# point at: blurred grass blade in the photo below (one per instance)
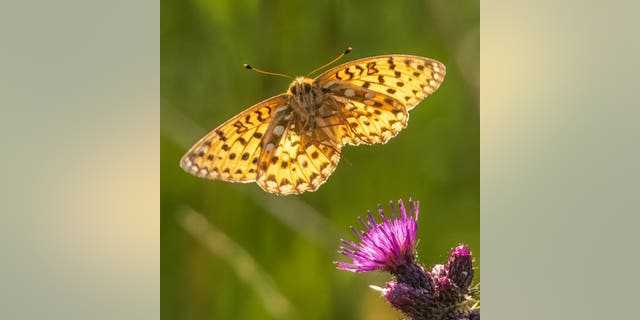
(299, 216)
(245, 267)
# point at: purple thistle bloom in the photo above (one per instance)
(383, 246)
(443, 293)
(460, 267)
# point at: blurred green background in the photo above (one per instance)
(232, 251)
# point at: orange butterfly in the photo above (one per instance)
(291, 143)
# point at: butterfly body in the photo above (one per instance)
(305, 101)
(291, 143)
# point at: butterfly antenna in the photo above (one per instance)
(267, 72)
(331, 62)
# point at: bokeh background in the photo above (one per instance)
(232, 251)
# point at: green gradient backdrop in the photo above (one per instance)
(435, 160)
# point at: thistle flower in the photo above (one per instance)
(460, 267)
(383, 246)
(442, 294)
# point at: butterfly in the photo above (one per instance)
(291, 143)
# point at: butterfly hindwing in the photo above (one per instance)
(298, 163)
(365, 116)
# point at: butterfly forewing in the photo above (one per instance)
(406, 78)
(231, 151)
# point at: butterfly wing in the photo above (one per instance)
(230, 152)
(298, 163)
(372, 95)
(365, 116)
(405, 78)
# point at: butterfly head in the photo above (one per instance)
(300, 86)
(305, 93)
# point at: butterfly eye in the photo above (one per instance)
(307, 87)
